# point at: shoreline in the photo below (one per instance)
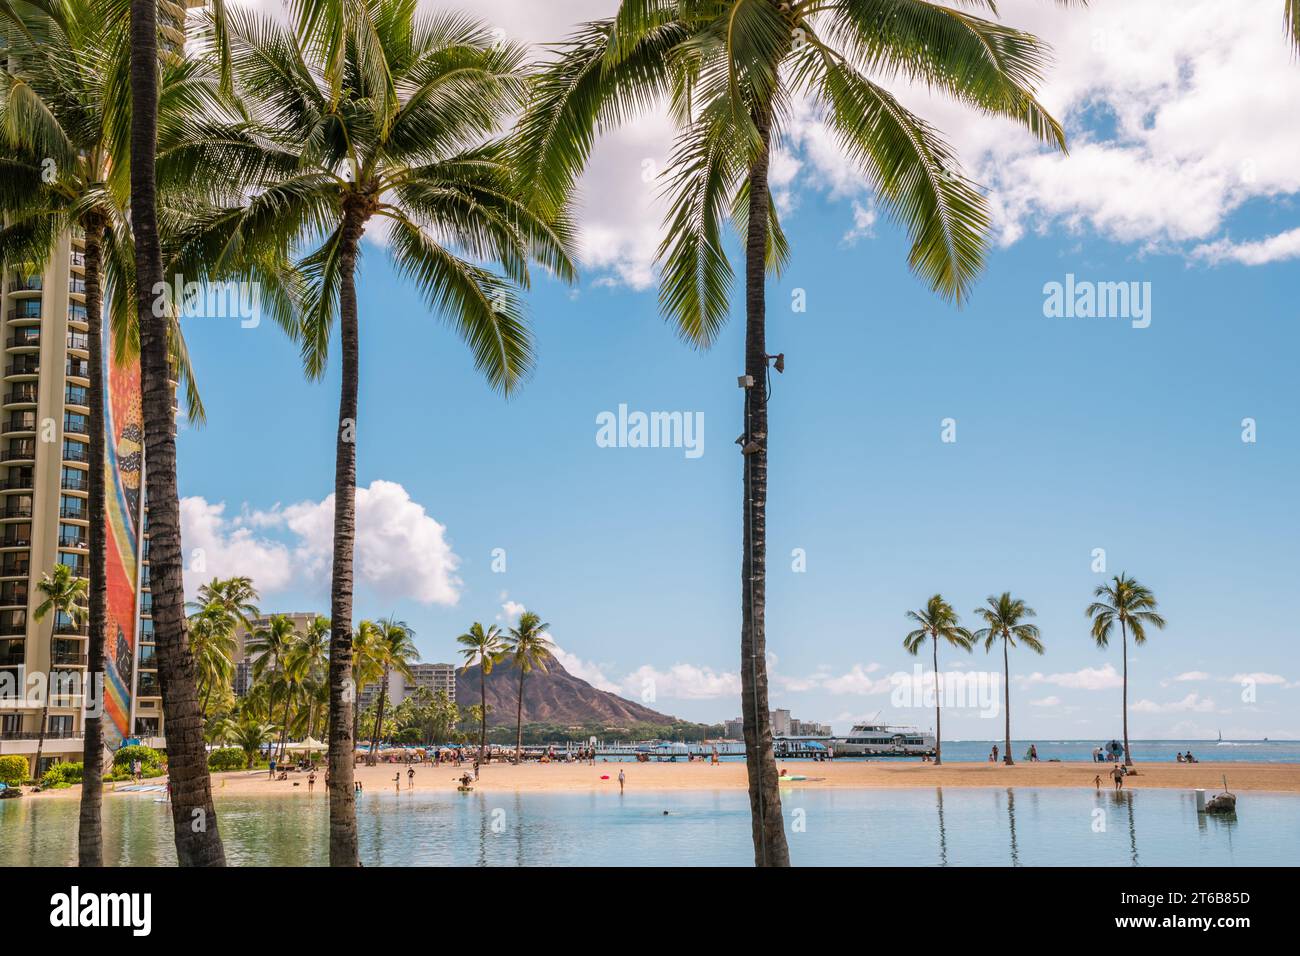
(864, 775)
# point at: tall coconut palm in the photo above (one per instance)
(212, 642)
(236, 596)
(484, 648)
(367, 668)
(65, 596)
(194, 817)
(272, 648)
(395, 651)
(310, 661)
(1133, 607)
(377, 114)
(936, 620)
(528, 646)
(730, 71)
(64, 123)
(1004, 618)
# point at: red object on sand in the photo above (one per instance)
(604, 776)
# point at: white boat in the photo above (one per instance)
(883, 740)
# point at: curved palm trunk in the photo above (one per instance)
(768, 828)
(194, 818)
(1128, 754)
(519, 721)
(379, 717)
(938, 706)
(90, 836)
(284, 730)
(1006, 700)
(343, 808)
(45, 717)
(482, 737)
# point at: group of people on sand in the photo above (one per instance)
(1187, 758)
(1117, 775)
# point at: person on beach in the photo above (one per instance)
(356, 787)
(1033, 753)
(476, 767)
(1118, 775)
(1097, 782)
(410, 778)
(271, 765)
(621, 780)
(311, 782)
(995, 753)
(1096, 755)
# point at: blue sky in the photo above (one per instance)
(1071, 433)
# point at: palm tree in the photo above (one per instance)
(309, 660)
(60, 105)
(937, 620)
(65, 595)
(1004, 617)
(484, 648)
(1293, 22)
(246, 732)
(528, 646)
(366, 665)
(373, 111)
(729, 70)
(1134, 607)
(212, 642)
(395, 651)
(272, 647)
(191, 784)
(235, 596)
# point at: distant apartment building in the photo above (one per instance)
(433, 677)
(783, 725)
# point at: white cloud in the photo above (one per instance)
(1185, 677)
(1277, 248)
(681, 682)
(1194, 703)
(400, 550)
(1087, 678)
(1046, 702)
(1258, 678)
(858, 680)
(585, 670)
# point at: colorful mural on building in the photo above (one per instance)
(124, 454)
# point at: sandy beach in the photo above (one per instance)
(582, 778)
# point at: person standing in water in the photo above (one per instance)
(622, 779)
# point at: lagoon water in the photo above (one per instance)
(930, 827)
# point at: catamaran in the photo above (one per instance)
(883, 740)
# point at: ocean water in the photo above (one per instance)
(923, 827)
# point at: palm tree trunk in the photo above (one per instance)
(768, 828)
(482, 739)
(90, 835)
(1128, 754)
(938, 705)
(194, 818)
(284, 731)
(1006, 697)
(519, 722)
(45, 716)
(343, 808)
(379, 717)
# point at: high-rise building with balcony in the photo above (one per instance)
(44, 518)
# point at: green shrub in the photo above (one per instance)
(150, 759)
(62, 775)
(227, 758)
(13, 770)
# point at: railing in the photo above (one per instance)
(21, 424)
(71, 541)
(14, 569)
(14, 627)
(81, 630)
(36, 735)
(69, 660)
(20, 395)
(27, 284)
(17, 541)
(77, 286)
(76, 368)
(18, 511)
(23, 368)
(74, 426)
(80, 457)
(78, 259)
(26, 311)
(77, 340)
(72, 484)
(75, 396)
(80, 569)
(77, 514)
(13, 598)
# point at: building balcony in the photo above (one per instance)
(77, 368)
(67, 628)
(21, 396)
(79, 457)
(76, 396)
(15, 569)
(79, 541)
(16, 511)
(24, 341)
(72, 426)
(17, 423)
(27, 310)
(81, 482)
(26, 284)
(24, 368)
(11, 596)
(17, 540)
(76, 514)
(77, 340)
(77, 260)
(77, 285)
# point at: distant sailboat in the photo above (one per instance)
(1220, 736)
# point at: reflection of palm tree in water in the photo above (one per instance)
(943, 838)
(484, 827)
(1125, 797)
(1011, 818)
